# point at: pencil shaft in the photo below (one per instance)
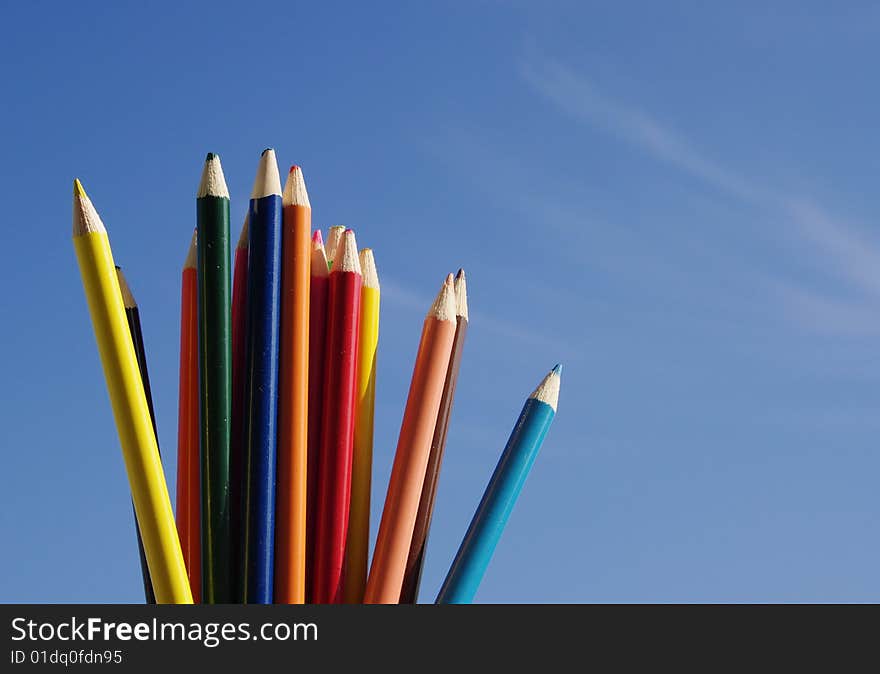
(410, 461)
(215, 395)
(132, 315)
(317, 350)
(237, 468)
(416, 559)
(290, 527)
(357, 545)
(264, 283)
(188, 478)
(337, 435)
(141, 453)
(494, 510)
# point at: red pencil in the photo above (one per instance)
(317, 349)
(337, 435)
(236, 442)
(189, 510)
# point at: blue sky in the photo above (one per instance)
(677, 203)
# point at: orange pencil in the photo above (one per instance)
(413, 448)
(188, 514)
(290, 510)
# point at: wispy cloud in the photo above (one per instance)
(828, 314)
(576, 96)
(842, 250)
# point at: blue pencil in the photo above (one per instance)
(498, 500)
(261, 395)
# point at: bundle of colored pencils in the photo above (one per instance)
(278, 344)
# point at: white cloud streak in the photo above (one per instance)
(844, 251)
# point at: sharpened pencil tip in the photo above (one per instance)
(85, 218)
(548, 390)
(267, 182)
(213, 182)
(461, 302)
(443, 308)
(347, 255)
(557, 369)
(317, 238)
(295, 193)
(334, 235)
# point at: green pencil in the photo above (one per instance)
(215, 380)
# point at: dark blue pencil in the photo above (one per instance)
(261, 395)
(500, 496)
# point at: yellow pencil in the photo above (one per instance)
(139, 448)
(356, 550)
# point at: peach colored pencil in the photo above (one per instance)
(413, 448)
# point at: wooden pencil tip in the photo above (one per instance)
(548, 389)
(243, 237)
(334, 234)
(317, 238)
(127, 297)
(191, 260)
(318, 261)
(295, 193)
(267, 182)
(347, 255)
(461, 303)
(85, 218)
(443, 308)
(368, 268)
(213, 182)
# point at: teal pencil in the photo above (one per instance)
(507, 481)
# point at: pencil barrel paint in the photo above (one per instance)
(264, 284)
(290, 525)
(215, 394)
(132, 315)
(317, 354)
(357, 546)
(188, 477)
(337, 435)
(415, 561)
(393, 540)
(141, 454)
(493, 512)
(237, 440)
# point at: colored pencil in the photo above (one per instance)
(319, 273)
(237, 443)
(357, 546)
(189, 506)
(132, 316)
(261, 400)
(293, 403)
(334, 236)
(413, 447)
(500, 496)
(129, 403)
(416, 559)
(337, 434)
(215, 379)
